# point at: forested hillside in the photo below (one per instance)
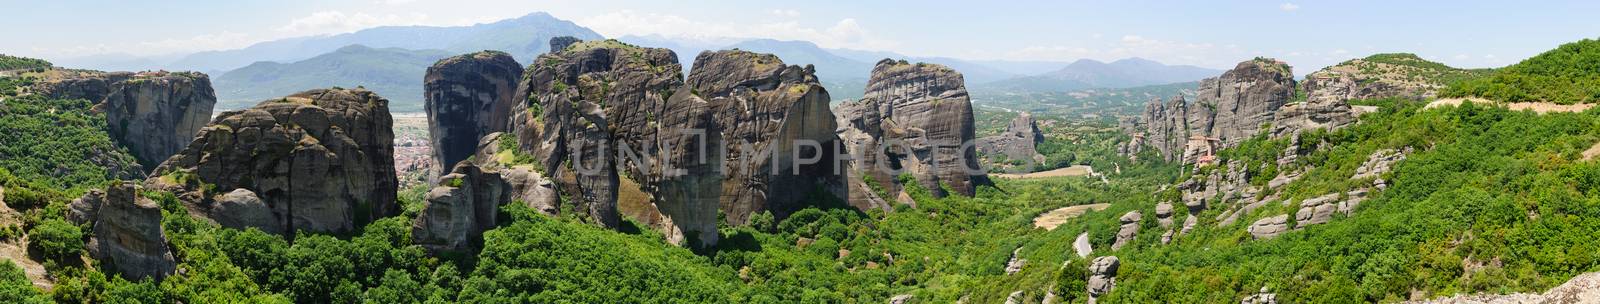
(1568, 74)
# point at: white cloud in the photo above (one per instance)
(786, 12)
(335, 22)
(846, 33)
(1289, 7)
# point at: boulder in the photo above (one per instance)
(152, 114)
(1016, 297)
(1262, 297)
(1102, 276)
(1316, 210)
(127, 234)
(917, 119)
(1129, 229)
(1270, 227)
(901, 299)
(1164, 214)
(467, 97)
(458, 211)
(527, 185)
(320, 160)
(243, 208)
(1015, 264)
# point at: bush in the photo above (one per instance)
(57, 240)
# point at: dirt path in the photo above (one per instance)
(1536, 107)
(1079, 170)
(1049, 220)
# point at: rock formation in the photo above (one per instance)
(320, 160)
(1230, 109)
(466, 98)
(560, 43)
(1403, 76)
(1262, 297)
(1316, 210)
(1019, 141)
(743, 134)
(1102, 276)
(1014, 265)
(460, 209)
(152, 114)
(1583, 288)
(914, 118)
(1129, 229)
(1269, 227)
(527, 184)
(127, 232)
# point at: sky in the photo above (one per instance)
(1214, 34)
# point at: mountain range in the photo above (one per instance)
(385, 59)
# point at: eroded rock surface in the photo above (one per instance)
(467, 97)
(1102, 276)
(320, 160)
(152, 114)
(127, 233)
(457, 212)
(914, 118)
(1270, 227)
(1129, 229)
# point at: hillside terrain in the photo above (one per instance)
(1567, 75)
(555, 178)
(388, 71)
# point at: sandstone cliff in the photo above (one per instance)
(320, 160)
(152, 114)
(914, 118)
(467, 97)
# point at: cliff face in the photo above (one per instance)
(467, 97)
(153, 114)
(1230, 109)
(582, 105)
(1381, 76)
(916, 118)
(778, 133)
(319, 160)
(127, 231)
(618, 128)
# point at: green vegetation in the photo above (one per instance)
(57, 239)
(1568, 74)
(15, 287)
(391, 72)
(8, 63)
(51, 149)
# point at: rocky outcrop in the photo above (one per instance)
(1019, 141)
(527, 184)
(457, 212)
(1230, 109)
(1584, 288)
(560, 43)
(1016, 297)
(467, 97)
(1316, 210)
(901, 299)
(127, 234)
(914, 118)
(1014, 265)
(1102, 276)
(1403, 76)
(1128, 230)
(1262, 297)
(152, 114)
(1270, 227)
(320, 160)
(743, 134)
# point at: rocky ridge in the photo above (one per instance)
(1019, 141)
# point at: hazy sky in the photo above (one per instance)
(1216, 34)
